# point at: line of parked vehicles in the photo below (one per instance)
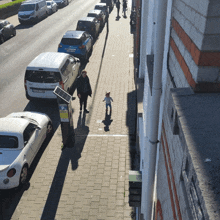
(30, 11)
(22, 133)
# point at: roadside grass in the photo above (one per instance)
(10, 4)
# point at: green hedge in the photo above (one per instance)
(10, 4)
(10, 8)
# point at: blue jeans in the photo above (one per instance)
(108, 104)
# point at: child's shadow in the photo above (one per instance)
(107, 121)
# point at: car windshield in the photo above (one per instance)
(84, 24)
(48, 3)
(29, 7)
(101, 7)
(8, 141)
(92, 15)
(42, 76)
(71, 41)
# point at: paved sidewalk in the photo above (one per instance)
(90, 181)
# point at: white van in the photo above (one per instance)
(49, 70)
(32, 11)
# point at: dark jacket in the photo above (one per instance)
(83, 85)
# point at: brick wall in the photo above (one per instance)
(170, 192)
(195, 41)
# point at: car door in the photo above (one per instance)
(66, 75)
(87, 41)
(32, 137)
(90, 40)
(53, 6)
(97, 25)
(6, 30)
(75, 69)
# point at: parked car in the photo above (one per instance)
(62, 3)
(104, 8)
(110, 4)
(51, 7)
(49, 70)
(89, 24)
(98, 14)
(32, 11)
(21, 136)
(77, 43)
(6, 30)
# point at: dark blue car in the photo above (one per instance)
(77, 43)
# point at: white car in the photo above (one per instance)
(51, 7)
(21, 136)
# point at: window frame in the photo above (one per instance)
(28, 132)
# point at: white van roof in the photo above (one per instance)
(32, 1)
(49, 61)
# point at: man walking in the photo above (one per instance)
(83, 90)
(124, 8)
(118, 7)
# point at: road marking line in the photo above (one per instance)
(105, 135)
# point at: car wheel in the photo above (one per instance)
(49, 129)
(14, 32)
(2, 39)
(24, 175)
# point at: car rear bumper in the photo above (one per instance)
(12, 182)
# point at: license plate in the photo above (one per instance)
(37, 90)
(71, 50)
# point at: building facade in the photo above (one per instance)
(179, 132)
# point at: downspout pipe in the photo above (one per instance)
(151, 145)
(143, 37)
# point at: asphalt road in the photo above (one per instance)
(31, 40)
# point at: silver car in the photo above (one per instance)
(51, 7)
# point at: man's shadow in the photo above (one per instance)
(107, 121)
(81, 121)
(69, 156)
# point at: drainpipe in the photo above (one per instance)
(143, 37)
(151, 144)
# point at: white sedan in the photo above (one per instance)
(21, 136)
(51, 7)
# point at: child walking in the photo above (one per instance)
(108, 101)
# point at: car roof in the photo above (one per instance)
(96, 11)
(48, 60)
(13, 125)
(101, 4)
(87, 19)
(73, 34)
(31, 1)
